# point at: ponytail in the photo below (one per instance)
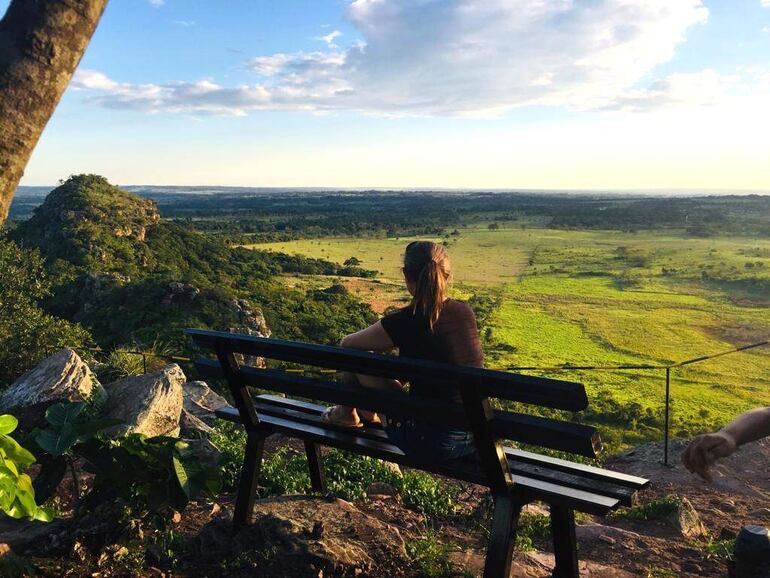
(427, 264)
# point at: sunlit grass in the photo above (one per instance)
(605, 298)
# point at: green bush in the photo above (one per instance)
(347, 474)
(654, 510)
(532, 527)
(431, 557)
(27, 333)
(17, 496)
(426, 494)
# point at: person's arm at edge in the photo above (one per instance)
(705, 449)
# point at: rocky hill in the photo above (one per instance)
(130, 276)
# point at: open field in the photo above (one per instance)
(560, 297)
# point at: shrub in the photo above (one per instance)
(431, 556)
(17, 496)
(230, 438)
(347, 474)
(27, 333)
(426, 494)
(532, 527)
(655, 510)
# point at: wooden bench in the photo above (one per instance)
(515, 477)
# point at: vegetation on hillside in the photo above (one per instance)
(129, 277)
(27, 332)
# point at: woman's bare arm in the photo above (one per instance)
(705, 449)
(373, 338)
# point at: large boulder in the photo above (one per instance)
(201, 401)
(149, 404)
(59, 378)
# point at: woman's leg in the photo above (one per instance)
(351, 416)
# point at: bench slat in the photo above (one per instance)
(563, 436)
(585, 470)
(540, 391)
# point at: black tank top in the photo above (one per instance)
(454, 339)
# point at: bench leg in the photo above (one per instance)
(313, 452)
(247, 486)
(564, 542)
(502, 537)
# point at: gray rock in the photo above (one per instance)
(685, 520)
(148, 404)
(59, 378)
(381, 489)
(204, 451)
(760, 514)
(193, 427)
(201, 401)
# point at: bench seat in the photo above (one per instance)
(539, 478)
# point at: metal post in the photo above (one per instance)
(665, 430)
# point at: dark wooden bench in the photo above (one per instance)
(515, 477)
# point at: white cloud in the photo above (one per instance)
(704, 88)
(185, 23)
(330, 38)
(765, 3)
(156, 3)
(457, 57)
(85, 79)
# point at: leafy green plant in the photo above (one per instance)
(68, 424)
(153, 474)
(230, 438)
(432, 557)
(531, 527)
(654, 510)
(347, 474)
(125, 362)
(720, 549)
(656, 572)
(426, 494)
(17, 496)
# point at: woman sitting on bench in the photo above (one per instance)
(431, 327)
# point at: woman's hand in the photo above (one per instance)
(705, 449)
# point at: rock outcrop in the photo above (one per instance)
(58, 378)
(306, 536)
(148, 404)
(685, 520)
(201, 401)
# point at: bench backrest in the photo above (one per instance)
(476, 387)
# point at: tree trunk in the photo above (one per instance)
(41, 43)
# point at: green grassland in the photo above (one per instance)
(556, 297)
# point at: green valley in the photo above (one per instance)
(601, 298)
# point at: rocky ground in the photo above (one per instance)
(300, 536)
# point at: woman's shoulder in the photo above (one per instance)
(457, 307)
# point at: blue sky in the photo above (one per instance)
(563, 94)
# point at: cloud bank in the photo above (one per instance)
(454, 57)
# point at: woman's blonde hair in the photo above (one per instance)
(427, 265)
